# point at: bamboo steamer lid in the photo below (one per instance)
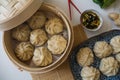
(15, 12)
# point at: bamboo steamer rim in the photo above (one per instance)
(62, 58)
(26, 12)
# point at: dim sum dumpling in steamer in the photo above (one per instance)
(37, 20)
(42, 57)
(57, 44)
(21, 32)
(54, 26)
(38, 37)
(24, 51)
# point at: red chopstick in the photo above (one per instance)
(70, 2)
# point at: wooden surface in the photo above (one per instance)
(63, 72)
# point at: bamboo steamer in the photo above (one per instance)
(8, 46)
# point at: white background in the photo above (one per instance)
(9, 72)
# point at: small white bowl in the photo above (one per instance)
(98, 14)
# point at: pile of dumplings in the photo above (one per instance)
(39, 39)
(109, 55)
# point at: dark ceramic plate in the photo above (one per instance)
(76, 68)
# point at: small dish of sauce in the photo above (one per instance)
(91, 20)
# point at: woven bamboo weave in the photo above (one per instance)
(9, 8)
(15, 12)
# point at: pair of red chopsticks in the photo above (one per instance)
(69, 4)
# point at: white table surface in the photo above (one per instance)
(10, 72)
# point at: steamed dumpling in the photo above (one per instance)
(118, 57)
(37, 20)
(21, 33)
(24, 51)
(90, 73)
(109, 66)
(42, 56)
(54, 26)
(38, 37)
(115, 42)
(85, 56)
(57, 44)
(102, 49)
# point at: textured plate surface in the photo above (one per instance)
(76, 68)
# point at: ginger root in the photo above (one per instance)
(115, 17)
